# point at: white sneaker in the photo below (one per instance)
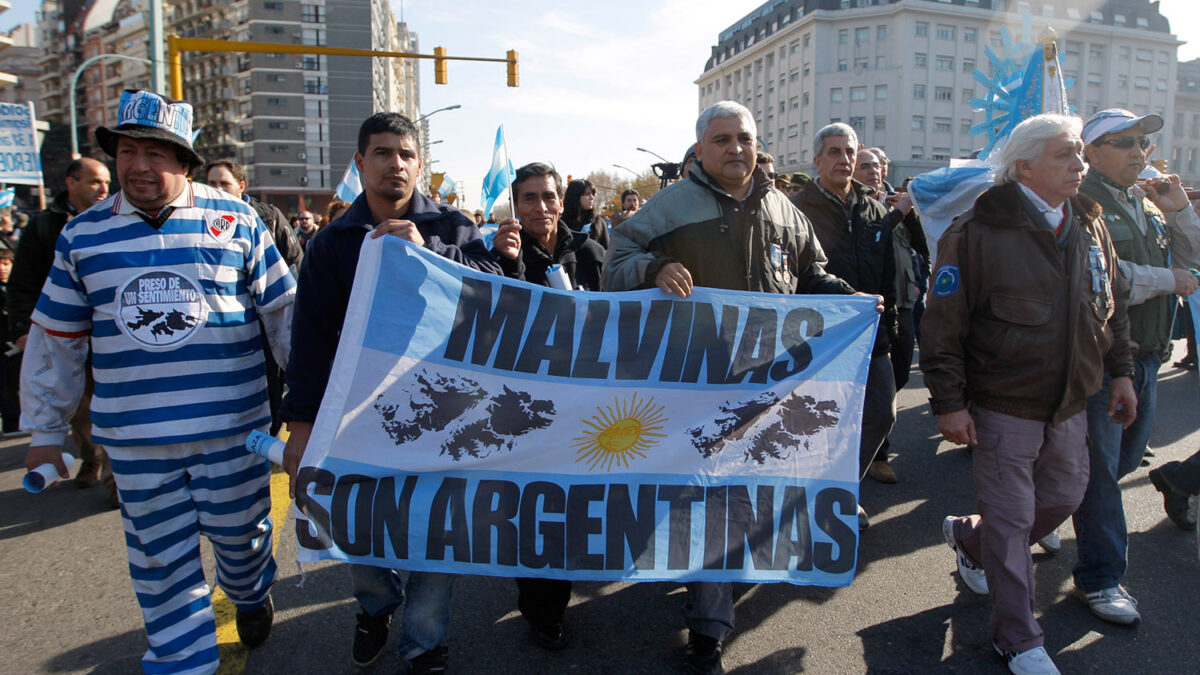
(1050, 543)
(1029, 662)
(971, 575)
(1114, 605)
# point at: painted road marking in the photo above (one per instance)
(232, 653)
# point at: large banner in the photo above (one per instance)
(479, 425)
(20, 161)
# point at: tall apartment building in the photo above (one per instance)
(273, 111)
(6, 79)
(110, 27)
(901, 72)
(20, 60)
(1185, 157)
(59, 25)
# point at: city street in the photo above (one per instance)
(68, 608)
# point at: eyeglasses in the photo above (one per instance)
(1126, 142)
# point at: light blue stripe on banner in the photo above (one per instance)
(604, 528)
(434, 311)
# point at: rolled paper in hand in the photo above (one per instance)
(557, 278)
(35, 481)
(266, 446)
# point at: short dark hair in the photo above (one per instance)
(630, 192)
(532, 170)
(6, 253)
(235, 169)
(389, 123)
(764, 158)
(75, 168)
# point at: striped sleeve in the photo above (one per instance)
(268, 278)
(63, 308)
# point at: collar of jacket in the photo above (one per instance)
(1001, 206)
(62, 204)
(421, 209)
(762, 184)
(567, 241)
(1128, 192)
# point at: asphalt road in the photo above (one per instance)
(66, 605)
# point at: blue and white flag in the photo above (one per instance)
(447, 188)
(475, 424)
(351, 186)
(499, 176)
(1028, 81)
(6, 197)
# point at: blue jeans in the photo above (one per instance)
(1100, 534)
(426, 614)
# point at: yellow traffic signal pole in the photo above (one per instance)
(177, 45)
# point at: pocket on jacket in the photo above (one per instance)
(1021, 311)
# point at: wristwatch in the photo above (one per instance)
(1125, 373)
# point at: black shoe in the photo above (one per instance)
(254, 627)
(552, 637)
(431, 662)
(369, 637)
(703, 655)
(1149, 452)
(1175, 501)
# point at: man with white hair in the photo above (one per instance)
(724, 226)
(993, 351)
(1157, 237)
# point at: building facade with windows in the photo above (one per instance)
(274, 112)
(1185, 156)
(901, 72)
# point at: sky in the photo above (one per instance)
(598, 79)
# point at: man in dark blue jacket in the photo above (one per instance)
(389, 165)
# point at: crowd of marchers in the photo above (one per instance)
(1046, 366)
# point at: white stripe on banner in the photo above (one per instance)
(478, 425)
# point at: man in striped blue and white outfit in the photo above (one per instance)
(167, 279)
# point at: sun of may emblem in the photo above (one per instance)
(619, 432)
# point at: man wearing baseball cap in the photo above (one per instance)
(1157, 237)
(169, 280)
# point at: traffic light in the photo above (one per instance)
(513, 76)
(439, 65)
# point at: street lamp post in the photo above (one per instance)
(423, 125)
(635, 174)
(456, 106)
(650, 152)
(75, 83)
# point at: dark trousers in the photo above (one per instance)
(902, 350)
(543, 601)
(1186, 474)
(879, 410)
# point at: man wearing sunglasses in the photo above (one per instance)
(1157, 237)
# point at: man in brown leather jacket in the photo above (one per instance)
(1026, 315)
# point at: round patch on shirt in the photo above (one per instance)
(160, 309)
(221, 226)
(946, 281)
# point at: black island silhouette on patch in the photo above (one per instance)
(479, 422)
(796, 418)
(172, 321)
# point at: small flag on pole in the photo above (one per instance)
(350, 187)
(499, 176)
(6, 197)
